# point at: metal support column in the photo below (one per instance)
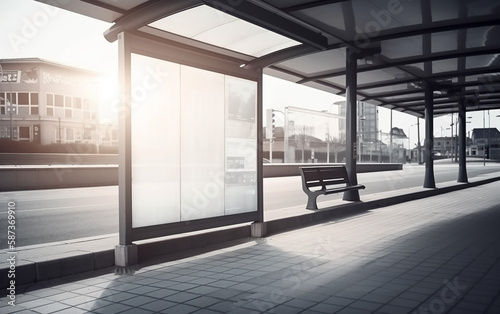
(126, 251)
(429, 181)
(462, 169)
(351, 117)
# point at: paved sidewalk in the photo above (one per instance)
(435, 255)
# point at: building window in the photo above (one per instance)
(34, 99)
(59, 101)
(2, 103)
(24, 133)
(34, 104)
(68, 113)
(69, 135)
(11, 98)
(68, 102)
(23, 99)
(77, 103)
(50, 105)
(86, 104)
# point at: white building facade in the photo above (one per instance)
(45, 103)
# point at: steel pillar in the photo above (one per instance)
(429, 181)
(462, 168)
(351, 117)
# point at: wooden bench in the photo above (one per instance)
(323, 181)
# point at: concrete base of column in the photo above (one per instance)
(126, 258)
(352, 196)
(259, 229)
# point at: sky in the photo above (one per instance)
(33, 29)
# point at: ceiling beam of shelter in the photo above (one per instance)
(106, 6)
(439, 99)
(149, 12)
(400, 62)
(274, 20)
(434, 27)
(438, 76)
(280, 56)
(310, 5)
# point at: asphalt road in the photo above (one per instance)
(44, 216)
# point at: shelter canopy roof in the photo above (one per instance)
(454, 44)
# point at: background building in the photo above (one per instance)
(370, 146)
(44, 102)
(485, 143)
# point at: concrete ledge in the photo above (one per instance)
(53, 177)
(25, 273)
(286, 170)
(18, 178)
(56, 267)
(104, 259)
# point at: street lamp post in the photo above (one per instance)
(419, 149)
(452, 151)
(12, 110)
(409, 141)
(484, 144)
(489, 135)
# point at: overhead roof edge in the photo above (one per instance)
(147, 14)
(276, 21)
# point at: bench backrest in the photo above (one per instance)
(324, 176)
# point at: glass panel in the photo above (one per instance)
(202, 144)
(155, 119)
(34, 110)
(444, 10)
(313, 135)
(446, 65)
(374, 16)
(179, 120)
(444, 41)
(402, 47)
(481, 61)
(241, 145)
(218, 28)
(315, 63)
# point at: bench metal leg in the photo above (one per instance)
(311, 201)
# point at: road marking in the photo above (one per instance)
(56, 208)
